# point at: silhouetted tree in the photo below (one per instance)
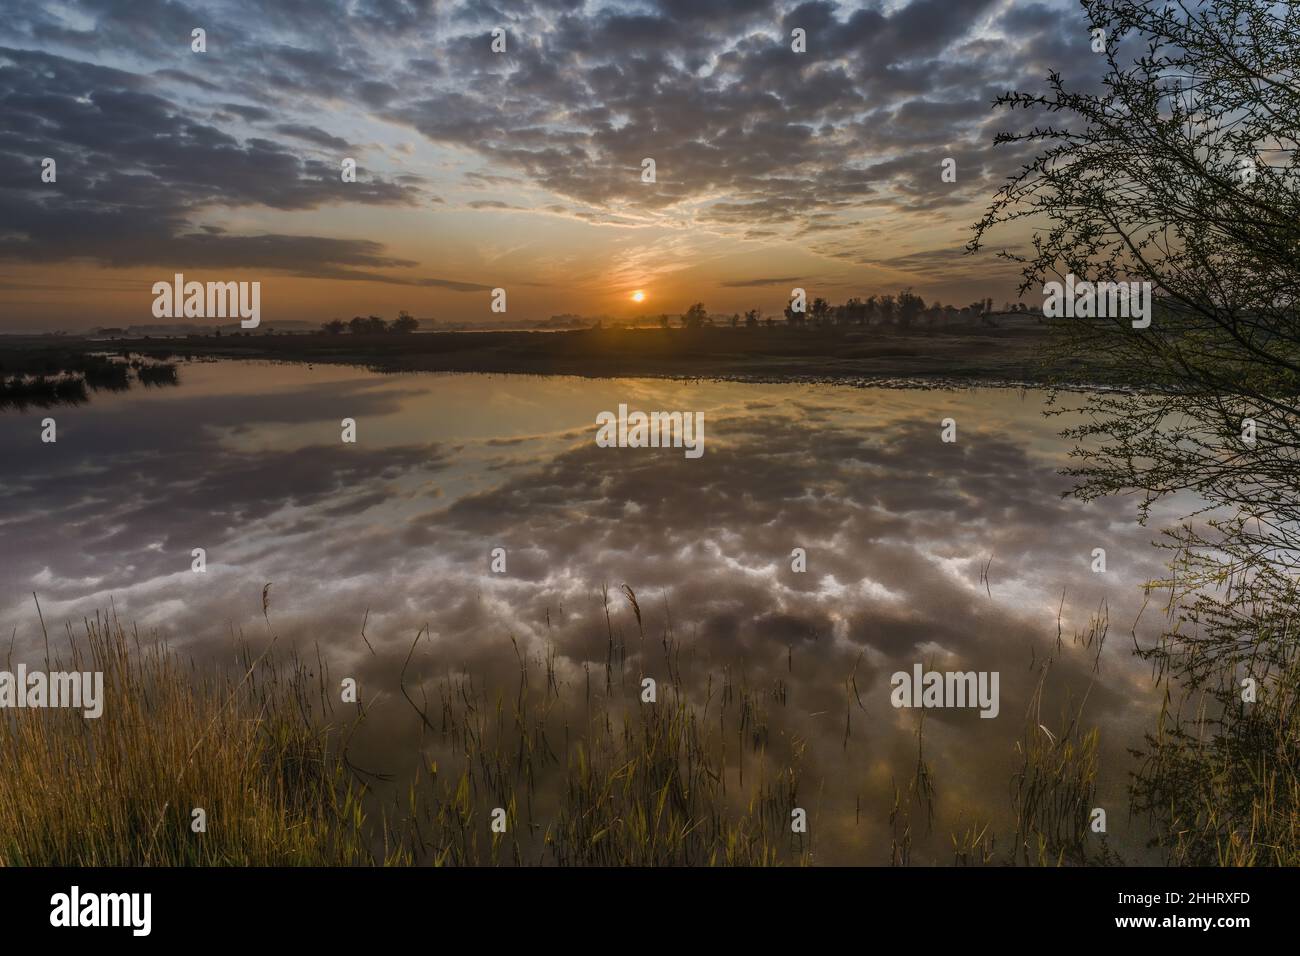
(887, 309)
(791, 316)
(909, 307)
(820, 311)
(1181, 170)
(855, 311)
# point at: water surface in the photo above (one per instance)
(245, 461)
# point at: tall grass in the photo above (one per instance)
(586, 771)
(648, 786)
(606, 780)
(119, 790)
(44, 380)
(1220, 777)
(41, 391)
(1054, 789)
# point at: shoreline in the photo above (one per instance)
(865, 357)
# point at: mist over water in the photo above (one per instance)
(245, 461)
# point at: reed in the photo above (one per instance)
(1220, 772)
(599, 781)
(610, 779)
(585, 770)
(119, 790)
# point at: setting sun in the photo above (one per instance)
(638, 296)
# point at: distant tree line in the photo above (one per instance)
(372, 325)
(904, 310)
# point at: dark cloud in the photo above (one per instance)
(253, 114)
(728, 111)
(136, 175)
(747, 135)
(312, 134)
(753, 283)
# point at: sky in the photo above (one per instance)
(520, 169)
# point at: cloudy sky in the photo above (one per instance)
(519, 169)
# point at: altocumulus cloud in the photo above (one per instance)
(750, 138)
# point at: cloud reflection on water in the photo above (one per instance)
(245, 461)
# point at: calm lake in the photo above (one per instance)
(245, 461)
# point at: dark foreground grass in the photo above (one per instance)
(606, 779)
(643, 785)
(120, 789)
(544, 772)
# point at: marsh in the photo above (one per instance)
(919, 553)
